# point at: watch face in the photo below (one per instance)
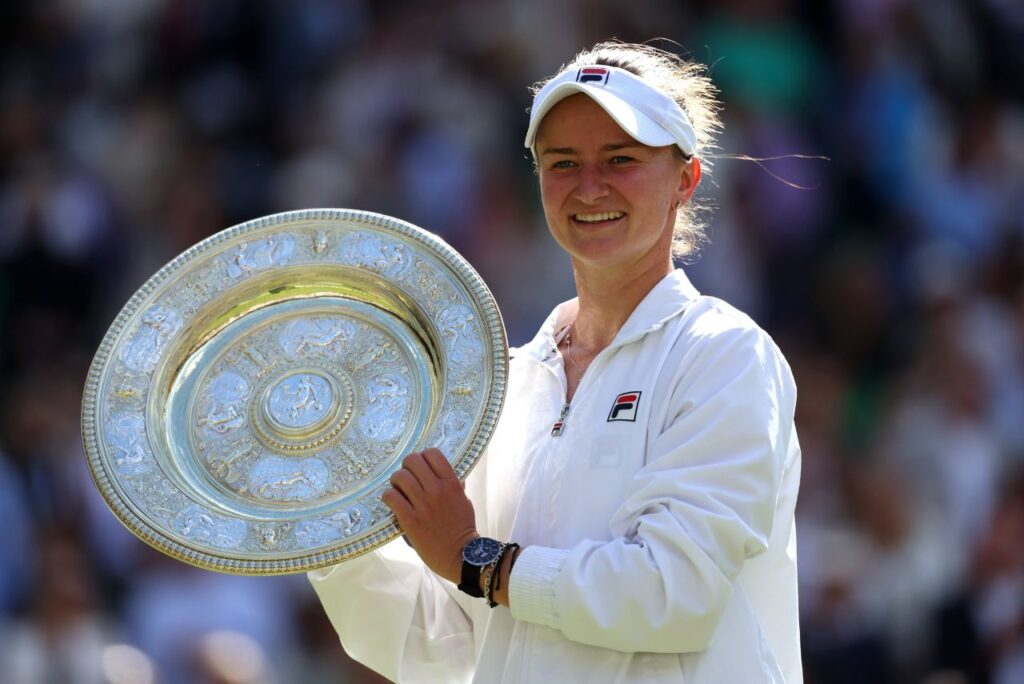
(481, 551)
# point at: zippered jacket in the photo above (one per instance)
(657, 519)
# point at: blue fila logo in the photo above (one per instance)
(594, 75)
(625, 407)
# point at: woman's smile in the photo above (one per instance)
(600, 219)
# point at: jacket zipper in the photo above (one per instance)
(559, 425)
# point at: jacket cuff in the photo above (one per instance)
(531, 587)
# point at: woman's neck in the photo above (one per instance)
(607, 297)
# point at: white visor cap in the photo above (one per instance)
(646, 113)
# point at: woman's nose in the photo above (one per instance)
(592, 184)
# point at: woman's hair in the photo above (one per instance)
(689, 85)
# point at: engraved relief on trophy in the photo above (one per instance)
(197, 523)
(303, 408)
(311, 335)
(437, 290)
(157, 327)
(279, 479)
(225, 459)
(320, 240)
(387, 409)
(300, 401)
(222, 409)
(385, 256)
(126, 434)
(272, 535)
(275, 250)
(457, 326)
(454, 427)
(314, 532)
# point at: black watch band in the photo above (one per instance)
(470, 583)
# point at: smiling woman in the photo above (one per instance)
(680, 110)
(632, 518)
(609, 200)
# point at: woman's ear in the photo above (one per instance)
(689, 180)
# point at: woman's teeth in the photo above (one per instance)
(594, 218)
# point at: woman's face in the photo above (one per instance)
(609, 200)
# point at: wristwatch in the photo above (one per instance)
(477, 555)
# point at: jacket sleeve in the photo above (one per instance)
(397, 617)
(701, 505)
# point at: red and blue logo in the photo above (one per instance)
(625, 407)
(593, 75)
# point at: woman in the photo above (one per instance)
(645, 464)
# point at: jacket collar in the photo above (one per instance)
(663, 302)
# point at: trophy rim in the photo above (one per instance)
(497, 365)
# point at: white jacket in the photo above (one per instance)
(661, 539)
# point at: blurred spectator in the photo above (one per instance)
(16, 557)
(64, 632)
(186, 620)
(981, 628)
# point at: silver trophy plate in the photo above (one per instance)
(247, 406)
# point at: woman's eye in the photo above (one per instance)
(563, 164)
(621, 159)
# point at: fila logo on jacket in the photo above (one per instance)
(625, 406)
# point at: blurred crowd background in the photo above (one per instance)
(892, 278)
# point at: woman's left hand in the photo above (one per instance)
(435, 514)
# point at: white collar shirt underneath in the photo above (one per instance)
(659, 523)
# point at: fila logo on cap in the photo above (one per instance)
(625, 407)
(594, 75)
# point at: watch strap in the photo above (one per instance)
(470, 583)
